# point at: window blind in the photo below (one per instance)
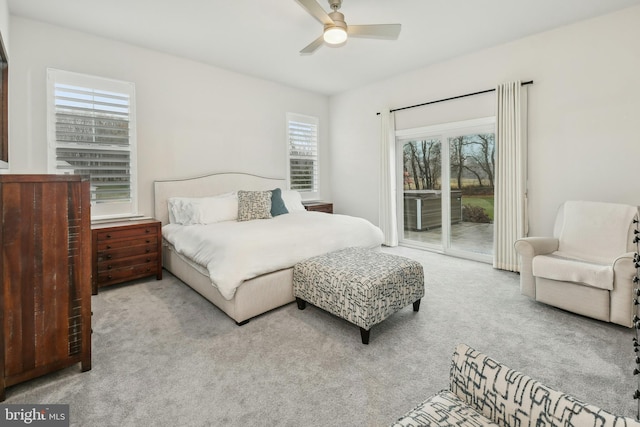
(303, 153)
(93, 135)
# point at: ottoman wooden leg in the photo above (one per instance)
(364, 334)
(302, 304)
(416, 305)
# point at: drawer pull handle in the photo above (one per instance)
(108, 267)
(148, 269)
(109, 277)
(148, 241)
(148, 259)
(109, 256)
(108, 246)
(108, 236)
(147, 231)
(148, 250)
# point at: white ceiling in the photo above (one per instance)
(263, 38)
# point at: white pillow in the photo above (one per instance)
(177, 213)
(292, 200)
(203, 210)
(217, 209)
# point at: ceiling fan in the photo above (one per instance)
(336, 30)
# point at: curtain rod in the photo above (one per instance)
(530, 82)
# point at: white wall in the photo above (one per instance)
(192, 118)
(4, 24)
(4, 30)
(584, 112)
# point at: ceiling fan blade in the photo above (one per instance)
(316, 11)
(311, 47)
(382, 31)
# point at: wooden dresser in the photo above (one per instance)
(46, 275)
(126, 250)
(319, 206)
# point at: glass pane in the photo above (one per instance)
(472, 166)
(422, 185)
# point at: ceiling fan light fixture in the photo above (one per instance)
(336, 31)
(335, 35)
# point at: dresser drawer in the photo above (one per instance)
(124, 274)
(319, 207)
(126, 233)
(123, 243)
(127, 262)
(126, 252)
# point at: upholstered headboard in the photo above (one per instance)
(208, 185)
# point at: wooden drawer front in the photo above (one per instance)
(126, 252)
(127, 273)
(323, 208)
(127, 262)
(127, 232)
(117, 244)
(320, 207)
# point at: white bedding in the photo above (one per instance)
(234, 251)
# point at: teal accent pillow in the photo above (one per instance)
(277, 204)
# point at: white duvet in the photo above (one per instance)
(234, 251)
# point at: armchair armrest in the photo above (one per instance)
(528, 248)
(626, 260)
(622, 307)
(532, 246)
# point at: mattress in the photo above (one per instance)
(234, 251)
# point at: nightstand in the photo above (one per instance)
(125, 250)
(319, 206)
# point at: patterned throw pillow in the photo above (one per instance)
(254, 205)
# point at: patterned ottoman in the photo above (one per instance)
(360, 285)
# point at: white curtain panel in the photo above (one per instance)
(510, 217)
(388, 216)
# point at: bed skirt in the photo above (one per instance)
(253, 297)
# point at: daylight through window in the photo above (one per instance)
(302, 132)
(92, 132)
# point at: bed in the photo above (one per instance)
(263, 287)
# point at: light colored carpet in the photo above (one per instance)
(163, 355)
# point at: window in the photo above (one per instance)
(302, 134)
(92, 131)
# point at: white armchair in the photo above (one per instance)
(587, 267)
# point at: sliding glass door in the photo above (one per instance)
(422, 190)
(472, 166)
(446, 187)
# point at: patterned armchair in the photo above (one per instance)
(483, 392)
(587, 266)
